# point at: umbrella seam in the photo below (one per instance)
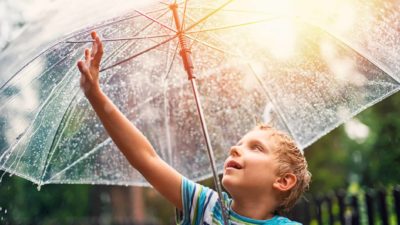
(358, 51)
(280, 114)
(58, 136)
(51, 149)
(87, 154)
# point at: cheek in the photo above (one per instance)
(262, 168)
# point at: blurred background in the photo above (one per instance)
(355, 171)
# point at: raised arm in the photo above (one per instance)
(132, 143)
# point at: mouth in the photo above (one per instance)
(233, 165)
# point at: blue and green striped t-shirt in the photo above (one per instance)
(201, 207)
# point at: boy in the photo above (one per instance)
(265, 172)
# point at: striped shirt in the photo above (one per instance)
(201, 207)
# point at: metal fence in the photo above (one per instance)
(370, 207)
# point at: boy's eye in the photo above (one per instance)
(258, 147)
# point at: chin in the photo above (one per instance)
(227, 183)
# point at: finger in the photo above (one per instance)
(87, 55)
(99, 53)
(94, 43)
(93, 34)
(84, 70)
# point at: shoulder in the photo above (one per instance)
(198, 203)
(195, 190)
(280, 220)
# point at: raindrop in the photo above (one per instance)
(5, 211)
(39, 187)
(1, 208)
(19, 136)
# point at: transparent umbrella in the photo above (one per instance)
(304, 69)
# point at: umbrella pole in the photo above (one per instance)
(188, 64)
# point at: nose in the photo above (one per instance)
(235, 151)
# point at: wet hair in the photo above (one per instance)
(290, 160)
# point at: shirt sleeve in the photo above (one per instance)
(195, 200)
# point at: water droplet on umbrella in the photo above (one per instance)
(19, 136)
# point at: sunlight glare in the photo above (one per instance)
(279, 37)
(356, 130)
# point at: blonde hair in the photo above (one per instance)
(291, 160)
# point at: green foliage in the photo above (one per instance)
(26, 205)
(336, 161)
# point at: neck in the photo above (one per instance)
(259, 208)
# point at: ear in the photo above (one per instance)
(285, 183)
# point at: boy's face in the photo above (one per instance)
(251, 164)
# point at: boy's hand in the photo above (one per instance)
(90, 67)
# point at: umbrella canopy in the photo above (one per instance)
(304, 72)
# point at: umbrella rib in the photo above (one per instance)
(112, 23)
(213, 47)
(166, 121)
(172, 62)
(137, 33)
(280, 114)
(156, 21)
(128, 38)
(184, 15)
(121, 39)
(233, 10)
(197, 34)
(138, 54)
(208, 15)
(233, 25)
(209, 45)
(167, 4)
(173, 57)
